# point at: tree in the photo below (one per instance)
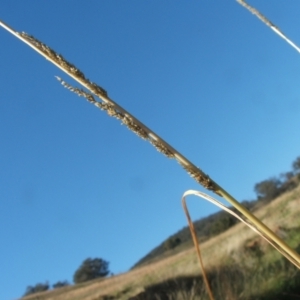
(60, 284)
(296, 165)
(39, 287)
(171, 243)
(91, 269)
(268, 189)
(287, 176)
(222, 224)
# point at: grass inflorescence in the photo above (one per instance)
(116, 111)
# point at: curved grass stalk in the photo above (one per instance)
(228, 210)
(268, 23)
(115, 110)
(197, 247)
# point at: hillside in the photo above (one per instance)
(231, 259)
(206, 228)
(211, 225)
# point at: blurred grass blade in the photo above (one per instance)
(268, 23)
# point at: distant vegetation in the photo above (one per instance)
(206, 228)
(60, 284)
(39, 287)
(171, 243)
(89, 269)
(42, 287)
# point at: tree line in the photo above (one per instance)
(273, 187)
(89, 269)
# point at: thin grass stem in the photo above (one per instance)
(197, 248)
(115, 110)
(268, 23)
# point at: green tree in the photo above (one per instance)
(39, 287)
(268, 189)
(222, 224)
(91, 269)
(60, 284)
(296, 165)
(171, 243)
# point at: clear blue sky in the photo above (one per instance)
(207, 76)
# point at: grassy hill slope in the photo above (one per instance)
(240, 265)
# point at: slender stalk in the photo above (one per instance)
(197, 247)
(268, 23)
(115, 110)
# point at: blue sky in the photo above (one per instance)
(207, 76)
